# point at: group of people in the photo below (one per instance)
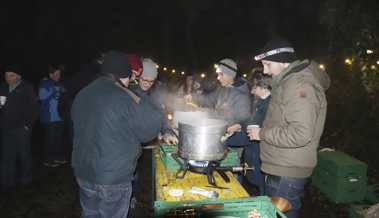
(120, 105)
(279, 131)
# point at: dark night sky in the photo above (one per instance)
(35, 33)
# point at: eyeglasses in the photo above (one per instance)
(147, 81)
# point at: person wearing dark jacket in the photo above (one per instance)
(110, 123)
(18, 112)
(261, 86)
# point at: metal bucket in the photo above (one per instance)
(201, 140)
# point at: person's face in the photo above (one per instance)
(224, 79)
(258, 91)
(11, 78)
(56, 75)
(273, 68)
(146, 83)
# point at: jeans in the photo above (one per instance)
(104, 201)
(54, 141)
(289, 188)
(15, 149)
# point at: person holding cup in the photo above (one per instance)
(18, 111)
(294, 122)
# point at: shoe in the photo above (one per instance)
(60, 161)
(50, 164)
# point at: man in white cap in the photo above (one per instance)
(294, 122)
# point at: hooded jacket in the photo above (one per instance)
(295, 120)
(231, 104)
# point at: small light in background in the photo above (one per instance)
(169, 116)
(203, 75)
(377, 62)
(373, 67)
(348, 61)
(182, 73)
(173, 71)
(164, 68)
(157, 66)
(369, 51)
(244, 75)
(215, 66)
(321, 66)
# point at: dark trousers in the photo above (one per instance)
(289, 188)
(252, 158)
(54, 132)
(98, 201)
(16, 157)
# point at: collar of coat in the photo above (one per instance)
(294, 67)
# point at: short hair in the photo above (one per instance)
(259, 79)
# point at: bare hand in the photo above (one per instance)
(233, 128)
(170, 139)
(253, 133)
(188, 98)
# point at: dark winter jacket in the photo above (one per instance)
(87, 74)
(109, 126)
(231, 104)
(21, 106)
(259, 112)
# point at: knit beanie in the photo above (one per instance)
(149, 68)
(277, 50)
(14, 68)
(227, 66)
(136, 63)
(117, 64)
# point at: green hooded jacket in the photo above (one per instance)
(295, 120)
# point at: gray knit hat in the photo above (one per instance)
(227, 66)
(149, 68)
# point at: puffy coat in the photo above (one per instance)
(295, 120)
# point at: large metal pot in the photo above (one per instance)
(188, 116)
(201, 140)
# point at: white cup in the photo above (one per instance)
(3, 99)
(252, 126)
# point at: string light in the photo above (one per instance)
(157, 66)
(182, 73)
(377, 62)
(173, 71)
(321, 66)
(369, 51)
(244, 75)
(373, 67)
(202, 75)
(164, 68)
(348, 61)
